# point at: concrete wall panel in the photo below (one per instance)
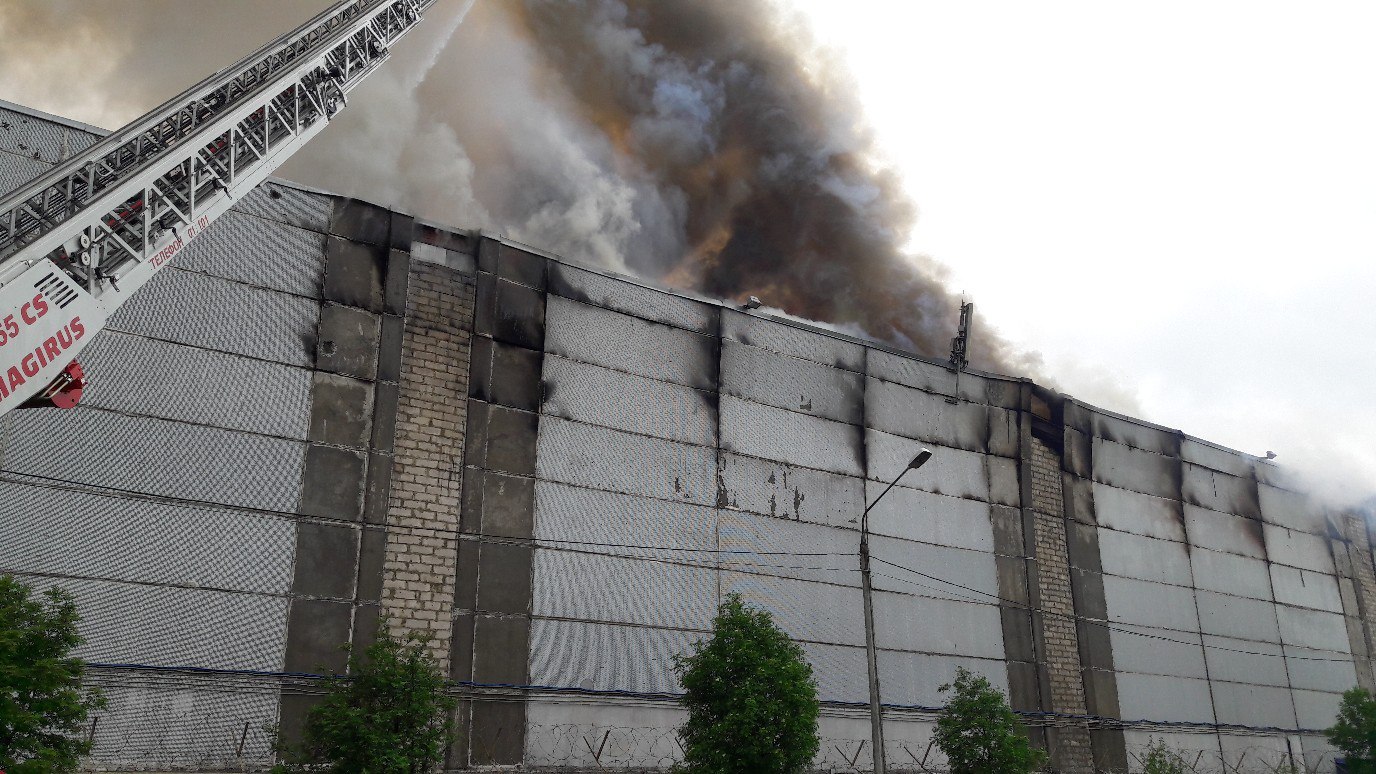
(913, 678)
(912, 372)
(1153, 697)
(904, 622)
(931, 518)
(267, 325)
(1149, 604)
(1230, 616)
(1282, 476)
(1003, 432)
(789, 340)
(128, 623)
(1304, 588)
(624, 343)
(596, 587)
(58, 532)
(1245, 661)
(1312, 629)
(971, 574)
(1128, 511)
(1134, 434)
(839, 671)
(789, 492)
(625, 296)
(1224, 532)
(789, 549)
(1004, 486)
(590, 456)
(1319, 670)
(816, 612)
(1230, 574)
(926, 417)
(1208, 455)
(285, 203)
(1291, 510)
(258, 251)
(16, 170)
(1157, 651)
(950, 471)
(1124, 467)
(200, 386)
(1220, 491)
(1298, 549)
(606, 657)
(787, 436)
(1144, 558)
(157, 456)
(622, 401)
(42, 141)
(1316, 711)
(1253, 705)
(591, 516)
(764, 376)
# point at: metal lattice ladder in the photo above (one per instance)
(78, 241)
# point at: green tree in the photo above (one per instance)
(43, 708)
(751, 700)
(979, 733)
(390, 715)
(1354, 732)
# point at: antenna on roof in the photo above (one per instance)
(960, 345)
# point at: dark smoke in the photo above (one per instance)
(767, 166)
(770, 162)
(705, 144)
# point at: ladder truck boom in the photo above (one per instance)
(78, 241)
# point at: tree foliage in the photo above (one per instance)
(751, 700)
(390, 715)
(43, 708)
(979, 733)
(1354, 732)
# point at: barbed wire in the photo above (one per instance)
(221, 721)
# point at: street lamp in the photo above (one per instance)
(876, 718)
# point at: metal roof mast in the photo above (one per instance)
(78, 241)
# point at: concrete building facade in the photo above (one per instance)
(325, 414)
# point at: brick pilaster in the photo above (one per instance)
(427, 475)
(1060, 647)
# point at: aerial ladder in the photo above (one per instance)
(80, 240)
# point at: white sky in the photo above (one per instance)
(1170, 199)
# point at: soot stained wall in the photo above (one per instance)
(274, 434)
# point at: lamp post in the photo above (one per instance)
(876, 718)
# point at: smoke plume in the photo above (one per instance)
(709, 145)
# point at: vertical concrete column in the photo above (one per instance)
(1060, 647)
(419, 560)
(494, 586)
(1357, 581)
(339, 536)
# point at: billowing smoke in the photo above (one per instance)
(704, 144)
(686, 142)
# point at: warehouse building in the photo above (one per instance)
(325, 414)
